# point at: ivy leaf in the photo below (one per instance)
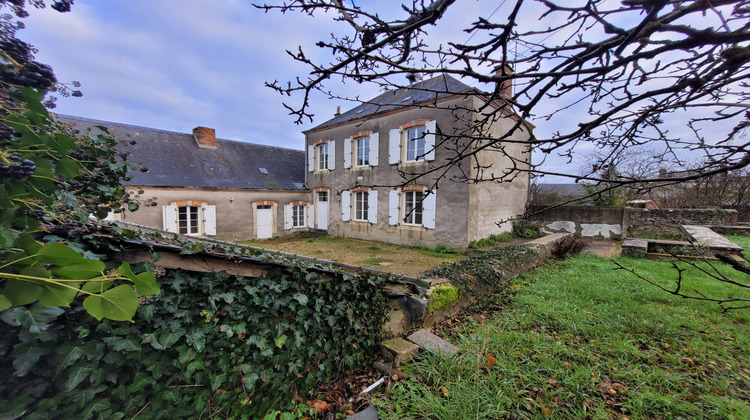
(77, 375)
(25, 356)
(122, 344)
(5, 303)
(195, 365)
(302, 299)
(16, 408)
(83, 270)
(117, 304)
(145, 283)
(59, 254)
(22, 292)
(34, 319)
(280, 341)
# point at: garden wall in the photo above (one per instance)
(615, 222)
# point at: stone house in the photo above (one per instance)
(378, 170)
(203, 186)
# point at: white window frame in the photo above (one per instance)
(361, 206)
(362, 151)
(414, 138)
(298, 216)
(200, 222)
(400, 214)
(322, 152)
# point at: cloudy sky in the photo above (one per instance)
(177, 64)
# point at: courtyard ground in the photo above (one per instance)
(409, 261)
(397, 259)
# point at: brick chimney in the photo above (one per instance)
(205, 137)
(506, 86)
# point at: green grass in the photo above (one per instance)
(581, 340)
(741, 240)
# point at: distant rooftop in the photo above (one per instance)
(175, 160)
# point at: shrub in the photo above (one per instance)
(442, 249)
(493, 239)
(567, 246)
(526, 229)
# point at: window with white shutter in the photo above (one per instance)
(346, 206)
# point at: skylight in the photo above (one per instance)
(264, 171)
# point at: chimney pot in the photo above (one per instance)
(205, 137)
(338, 111)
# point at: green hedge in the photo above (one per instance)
(209, 345)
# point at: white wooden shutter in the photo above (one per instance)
(429, 210)
(372, 207)
(394, 146)
(348, 153)
(429, 140)
(310, 158)
(331, 155)
(346, 206)
(169, 218)
(374, 148)
(209, 220)
(393, 201)
(288, 216)
(310, 216)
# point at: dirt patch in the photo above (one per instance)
(602, 248)
(390, 258)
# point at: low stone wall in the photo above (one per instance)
(656, 222)
(616, 222)
(582, 221)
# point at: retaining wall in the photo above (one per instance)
(616, 222)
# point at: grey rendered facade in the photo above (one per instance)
(396, 184)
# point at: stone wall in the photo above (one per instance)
(583, 221)
(656, 222)
(616, 222)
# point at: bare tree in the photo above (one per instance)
(666, 72)
(606, 75)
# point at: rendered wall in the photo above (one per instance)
(503, 196)
(452, 198)
(234, 219)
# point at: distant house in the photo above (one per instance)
(359, 162)
(205, 186)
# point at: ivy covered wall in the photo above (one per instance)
(210, 344)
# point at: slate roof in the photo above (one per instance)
(175, 160)
(429, 90)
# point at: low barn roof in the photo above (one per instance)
(175, 159)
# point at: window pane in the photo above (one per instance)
(182, 219)
(415, 144)
(323, 196)
(363, 151)
(360, 206)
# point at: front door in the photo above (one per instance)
(264, 222)
(323, 210)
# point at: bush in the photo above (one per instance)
(442, 249)
(491, 240)
(567, 246)
(526, 229)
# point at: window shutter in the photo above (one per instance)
(310, 158)
(394, 146)
(429, 140)
(209, 220)
(374, 148)
(170, 218)
(393, 200)
(346, 206)
(429, 210)
(348, 153)
(310, 216)
(331, 155)
(372, 207)
(288, 216)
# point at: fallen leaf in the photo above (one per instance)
(547, 412)
(394, 377)
(491, 361)
(319, 405)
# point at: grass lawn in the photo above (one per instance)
(578, 339)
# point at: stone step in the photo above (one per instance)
(399, 350)
(432, 343)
